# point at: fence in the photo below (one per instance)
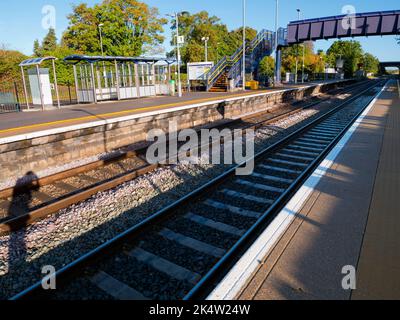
(9, 98)
(12, 96)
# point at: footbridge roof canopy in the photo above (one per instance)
(357, 25)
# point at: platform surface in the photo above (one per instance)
(351, 219)
(12, 124)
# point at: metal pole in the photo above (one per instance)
(69, 93)
(178, 56)
(206, 48)
(277, 71)
(297, 53)
(76, 84)
(40, 86)
(304, 57)
(17, 96)
(99, 84)
(244, 47)
(102, 54)
(297, 63)
(137, 79)
(25, 91)
(55, 83)
(93, 83)
(117, 79)
(101, 41)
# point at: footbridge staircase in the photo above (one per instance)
(230, 68)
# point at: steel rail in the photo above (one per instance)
(164, 213)
(16, 223)
(201, 290)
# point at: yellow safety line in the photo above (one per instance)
(118, 113)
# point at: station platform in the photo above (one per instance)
(12, 124)
(351, 218)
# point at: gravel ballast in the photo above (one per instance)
(65, 236)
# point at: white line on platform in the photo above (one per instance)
(43, 133)
(241, 273)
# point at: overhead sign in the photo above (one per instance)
(181, 40)
(198, 70)
(339, 63)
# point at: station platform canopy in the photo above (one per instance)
(35, 61)
(103, 78)
(39, 82)
(75, 59)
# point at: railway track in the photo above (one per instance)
(48, 195)
(182, 251)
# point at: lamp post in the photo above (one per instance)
(244, 47)
(178, 55)
(101, 38)
(206, 39)
(297, 52)
(178, 50)
(304, 56)
(102, 54)
(277, 64)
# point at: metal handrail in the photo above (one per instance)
(232, 61)
(216, 71)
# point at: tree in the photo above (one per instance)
(49, 42)
(370, 63)
(194, 27)
(350, 51)
(290, 54)
(9, 69)
(266, 68)
(128, 27)
(65, 74)
(37, 50)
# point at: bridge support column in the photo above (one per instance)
(278, 64)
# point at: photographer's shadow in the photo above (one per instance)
(20, 208)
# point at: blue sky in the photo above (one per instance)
(20, 20)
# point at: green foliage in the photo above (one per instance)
(194, 27)
(37, 49)
(128, 26)
(266, 68)
(65, 73)
(350, 51)
(9, 69)
(313, 63)
(49, 42)
(370, 63)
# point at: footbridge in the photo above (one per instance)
(388, 64)
(231, 67)
(342, 26)
(355, 25)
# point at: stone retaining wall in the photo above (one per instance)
(51, 151)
